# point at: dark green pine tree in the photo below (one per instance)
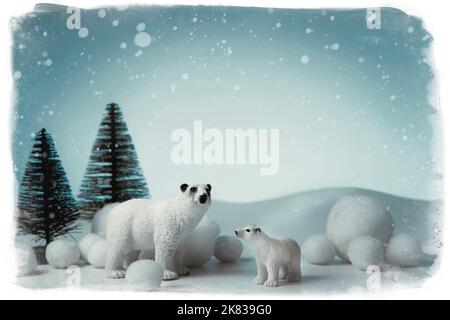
(113, 173)
(47, 208)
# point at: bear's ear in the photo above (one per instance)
(258, 230)
(208, 186)
(183, 187)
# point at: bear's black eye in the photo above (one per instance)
(248, 230)
(194, 189)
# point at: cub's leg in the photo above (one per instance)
(296, 273)
(179, 256)
(273, 271)
(117, 254)
(261, 276)
(165, 256)
(284, 272)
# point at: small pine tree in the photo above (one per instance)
(47, 208)
(113, 173)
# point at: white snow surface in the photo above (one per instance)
(297, 216)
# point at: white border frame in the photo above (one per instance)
(435, 16)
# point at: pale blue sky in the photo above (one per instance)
(351, 103)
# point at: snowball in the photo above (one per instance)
(366, 251)
(200, 244)
(318, 249)
(61, 254)
(26, 259)
(404, 251)
(142, 39)
(100, 220)
(97, 253)
(144, 275)
(356, 216)
(304, 59)
(228, 249)
(86, 243)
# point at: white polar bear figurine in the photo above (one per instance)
(163, 226)
(276, 259)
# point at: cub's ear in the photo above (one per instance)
(258, 230)
(183, 187)
(209, 187)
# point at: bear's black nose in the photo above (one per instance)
(203, 198)
(235, 232)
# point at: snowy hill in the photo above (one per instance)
(303, 214)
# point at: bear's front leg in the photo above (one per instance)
(166, 258)
(261, 275)
(179, 257)
(115, 259)
(273, 271)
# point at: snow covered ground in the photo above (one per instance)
(297, 216)
(237, 278)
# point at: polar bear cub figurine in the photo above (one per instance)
(159, 225)
(276, 259)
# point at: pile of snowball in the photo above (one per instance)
(360, 230)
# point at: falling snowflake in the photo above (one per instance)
(83, 32)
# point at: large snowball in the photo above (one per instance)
(228, 249)
(201, 242)
(357, 216)
(144, 275)
(26, 259)
(97, 253)
(61, 254)
(318, 249)
(100, 220)
(404, 251)
(366, 251)
(85, 244)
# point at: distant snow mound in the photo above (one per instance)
(356, 216)
(100, 220)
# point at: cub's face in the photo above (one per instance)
(248, 233)
(199, 193)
